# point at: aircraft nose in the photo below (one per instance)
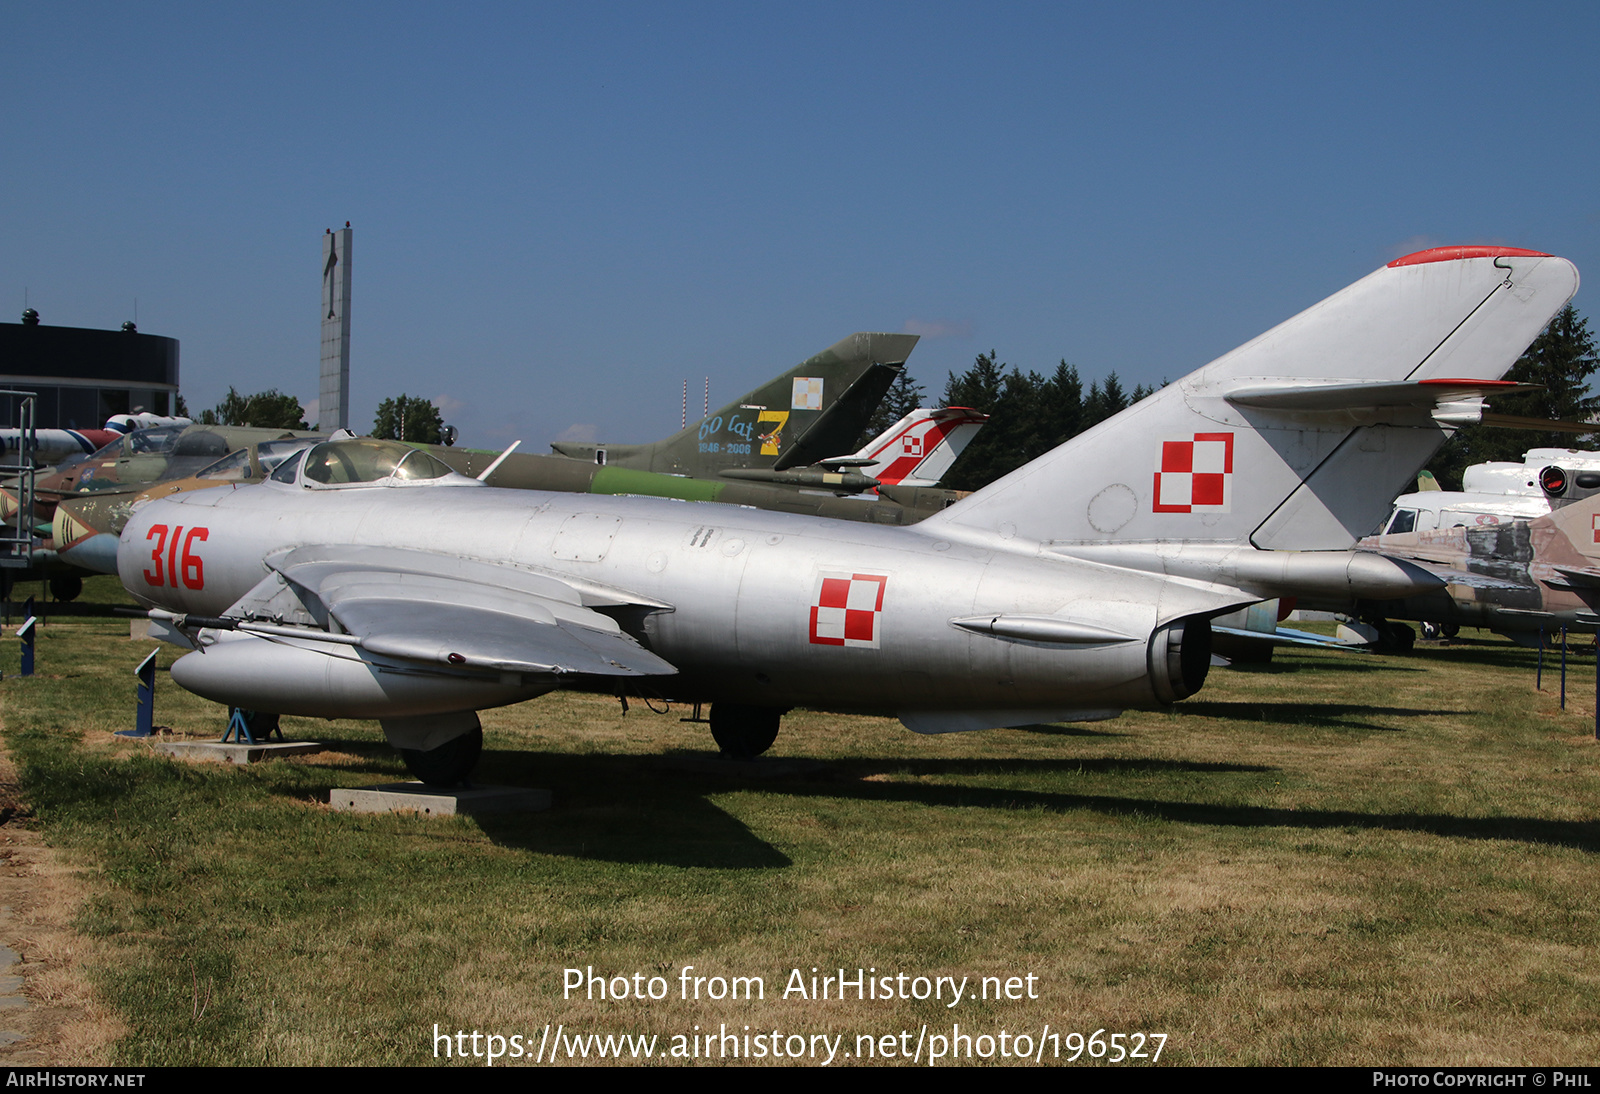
(97, 552)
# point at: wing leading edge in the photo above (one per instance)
(449, 613)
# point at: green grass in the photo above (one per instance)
(1336, 859)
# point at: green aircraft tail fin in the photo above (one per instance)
(760, 427)
(837, 430)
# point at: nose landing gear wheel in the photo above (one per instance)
(743, 731)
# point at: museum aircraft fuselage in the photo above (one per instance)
(370, 581)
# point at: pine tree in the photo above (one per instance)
(904, 396)
(1561, 360)
(979, 388)
(1062, 403)
(1105, 399)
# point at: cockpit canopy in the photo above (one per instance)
(367, 462)
(143, 442)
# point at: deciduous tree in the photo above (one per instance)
(267, 410)
(408, 418)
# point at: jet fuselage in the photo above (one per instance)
(767, 608)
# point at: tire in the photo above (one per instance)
(66, 589)
(743, 732)
(450, 763)
(1397, 637)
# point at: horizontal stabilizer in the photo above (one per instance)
(1334, 395)
(1585, 580)
(1283, 636)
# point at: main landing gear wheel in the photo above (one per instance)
(1395, 638)
(743, 732)
(450, 763)
(66, 589)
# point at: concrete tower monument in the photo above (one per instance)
(334, 397)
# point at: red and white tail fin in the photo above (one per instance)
(918, 449)
(1301, 438)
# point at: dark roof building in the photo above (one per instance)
(82, 377)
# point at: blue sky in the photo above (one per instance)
(563, 212)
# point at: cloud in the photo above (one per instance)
(313, 409)
(939, 328)
(1411, 245)
(448, 406)
(582, 433)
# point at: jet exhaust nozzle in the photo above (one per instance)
(1180, 657)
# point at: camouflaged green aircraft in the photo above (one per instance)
(132, 462)
(817, 409)
(776, 448)
(1517, 578)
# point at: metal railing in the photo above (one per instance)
(17, 474)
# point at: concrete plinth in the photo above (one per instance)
(757, 767)
(217, 752)
(438, 801)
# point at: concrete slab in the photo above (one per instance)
(11, 997)
(437, 801)
(758, 767)
(217, 752)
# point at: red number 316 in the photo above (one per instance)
(190, 569)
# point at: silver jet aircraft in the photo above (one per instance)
(369, 581)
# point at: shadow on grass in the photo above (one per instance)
(1068, 729)
(606, 807)
(1519, 660)
(1324, 715)
(1580, 835)
(619, 809)
(1344, 662)
(865, 768)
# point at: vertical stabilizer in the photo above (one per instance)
(918, 449)
(1301, 438)
(841, 424)
(756, 429)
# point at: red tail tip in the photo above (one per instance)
(1452, 254)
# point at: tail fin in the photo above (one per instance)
(918, 449)
(755, 429)
(1299, 439)
(842, 423)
